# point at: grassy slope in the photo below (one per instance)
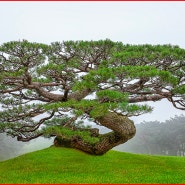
(61, 165)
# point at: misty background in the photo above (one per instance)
(128, 22)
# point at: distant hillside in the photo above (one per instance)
(61, 165)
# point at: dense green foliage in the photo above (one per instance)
(61, 165)
(68, 133)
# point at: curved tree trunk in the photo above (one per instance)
(122, 128)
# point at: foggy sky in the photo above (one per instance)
(129, 22)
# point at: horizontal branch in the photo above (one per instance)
(150, 97)
(20, 138)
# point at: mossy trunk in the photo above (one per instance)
(122, 128)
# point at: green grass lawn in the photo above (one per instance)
(62, 165)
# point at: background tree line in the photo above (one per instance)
(158, 138)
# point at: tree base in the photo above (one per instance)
(123, 130)
(106, 143)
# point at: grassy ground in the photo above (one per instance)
(61, 165)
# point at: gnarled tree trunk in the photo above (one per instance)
(122, 128)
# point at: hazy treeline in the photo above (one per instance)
(158, 138)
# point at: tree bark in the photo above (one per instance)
(122, 128)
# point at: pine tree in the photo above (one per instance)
(53, 90)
